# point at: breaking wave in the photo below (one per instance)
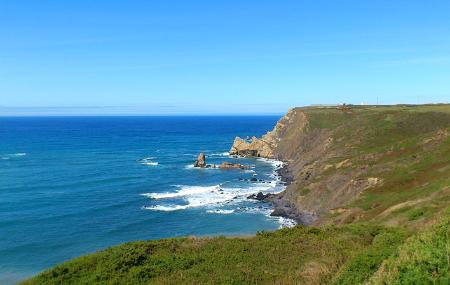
(148, 161)
(213, 198)
(13, 155)
(207, 196)
(167, 208)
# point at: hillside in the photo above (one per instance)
(385, 164)
(374, 183)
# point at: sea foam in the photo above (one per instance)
(167, 208)
(148, 161)
(208, 196)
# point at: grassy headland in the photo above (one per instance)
(377, 179)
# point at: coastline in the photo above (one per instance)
(281, 206)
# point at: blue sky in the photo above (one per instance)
(219, 57)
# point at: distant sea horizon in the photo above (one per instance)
(71, 185)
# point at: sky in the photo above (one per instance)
(219, 57)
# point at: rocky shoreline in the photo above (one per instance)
(281, 206)
(273, 145)
(269, 146)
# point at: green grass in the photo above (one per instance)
(423, 259)
(288, 256)
(362, 266)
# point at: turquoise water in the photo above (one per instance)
(74, 185)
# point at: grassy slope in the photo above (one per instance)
(408, 148)
(403, 146)
(288, 256)
(422, 259)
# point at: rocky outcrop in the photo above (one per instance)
(201, 160)
(201, 163)
(260, 196)
(252, 148)
(229, 165)
(271, 144)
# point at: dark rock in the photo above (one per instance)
(285, 209)
(260, 196)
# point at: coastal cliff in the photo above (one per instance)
(372, 181)
(338, 157)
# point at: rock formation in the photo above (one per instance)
(254, 148)
(267, 145)
(201, 163)
(229, 165)
(201, 160)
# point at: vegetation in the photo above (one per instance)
(303, 254)
(396, 231)
(423, 259)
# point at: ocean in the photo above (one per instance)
(74, 185)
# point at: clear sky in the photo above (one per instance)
(219, 57)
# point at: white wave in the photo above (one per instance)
(148, 161)
(286, 222)
(266, 211)
(218, 154)
(168, 208)
(209, 196)
(10, 155)
(184, 191)
(223, 212)
(275, 163)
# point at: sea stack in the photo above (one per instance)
(201, 161)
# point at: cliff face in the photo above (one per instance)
(341, 157)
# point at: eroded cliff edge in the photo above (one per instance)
(334, 155)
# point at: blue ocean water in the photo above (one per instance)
(74, 185)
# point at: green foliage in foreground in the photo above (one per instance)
(351, 254)
(362, 266)
(423, 259)
(305, 255)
